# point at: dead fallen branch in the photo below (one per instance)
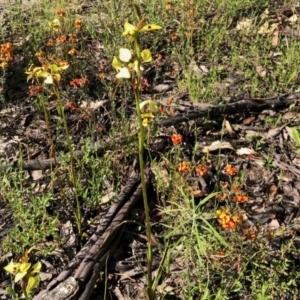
(199, 110)
(83, 271)
(98, 148)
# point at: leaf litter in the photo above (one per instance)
(260, 146)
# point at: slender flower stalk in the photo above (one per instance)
(129, 69)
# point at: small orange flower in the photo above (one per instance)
(73, 38)
(176, 139)
(250, 233)
(73, 52)
(201, 170)
(170, 101)
(144, 83)
(226, 220)
(79, 81)
(50, 43)
(63, 63)
(241, 198)
(71, 105)
(6, 52)
(78, 23)
(3, 65)
(174, 36)
(61, 39)
(60, 13)
(35, 89)
(191, 21)
(192, 11)
(102, 76)
(230, 170)
(184, 167)
(162, 109)
(159, 56)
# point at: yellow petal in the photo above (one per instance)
(116, 64)
(125, 54)
(146, 55)
(32, 283)
(24, 267)
(12, 267)
(19, 276)
(124, 73)
(129, 29)
(49, 80)
(152, 105)
(36, 268)
(150, 27)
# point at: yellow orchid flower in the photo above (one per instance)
(146, 55)
(123, 73)
(151, 27)
(152, 106)
(125, 55)
(12, 267)
(131, 30)
(22, 271)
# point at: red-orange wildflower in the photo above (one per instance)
(250, 233)
(174, 36)
(230, 170)
(78, 23)
(144, 83)
(6, 51)
(60, 13)
(79, 81)
(3, 65)
(241, 198)
(201, 170)
(226, 220)
(61, 39)
(71, 105)
(170, 101)
(162, 109)
(63, 63)
(159, 56)
(73, 38)
(35, 89)
(184, 167)
(50, 43)
(73, 51)
(102, 76)
(176, 139)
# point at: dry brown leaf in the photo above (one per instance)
(229, 128)
(249, 120)
(218, 145)
(246, 151)
(275, 38)
(272, 191)
(293, 19)
(261, 71)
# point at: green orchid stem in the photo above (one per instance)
(77, 209)
(136, 87)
